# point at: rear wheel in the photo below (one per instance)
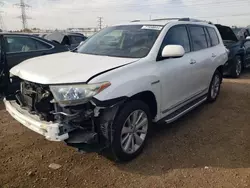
(131, 129)
(214, 88)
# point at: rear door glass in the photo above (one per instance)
(198, 36)
(213, 35)
(42, 46)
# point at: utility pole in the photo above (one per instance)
(100, 22)
(2, 25)
(1, 18)
(23, 6)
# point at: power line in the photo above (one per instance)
(233, 3)
(23, 6)
(100, 22)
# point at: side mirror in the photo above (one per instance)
(173, 51)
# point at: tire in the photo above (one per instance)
(237, 67)
(121, 125)
(214, 88)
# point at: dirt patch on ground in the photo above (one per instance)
(209, 147)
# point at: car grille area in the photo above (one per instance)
(36, 99)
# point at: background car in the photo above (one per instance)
(236, 56)
(246, 46)
(16, 48)
(71, 40)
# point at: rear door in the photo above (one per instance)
(20, 48)
(202, 59)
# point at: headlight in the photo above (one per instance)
(70, 95)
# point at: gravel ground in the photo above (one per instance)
(209, 147)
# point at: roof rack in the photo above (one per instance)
(179, 19)
(136, 21)
(194, 20)
(161, 19)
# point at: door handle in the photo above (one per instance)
(192, 61)
(213, 55)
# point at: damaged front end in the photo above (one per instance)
(87, 126)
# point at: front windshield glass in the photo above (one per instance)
(131, 41)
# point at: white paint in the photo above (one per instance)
(67, 67)
(48, 130)
(173, 51)
(171, 80)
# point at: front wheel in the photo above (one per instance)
(214, 88)
(131, 128)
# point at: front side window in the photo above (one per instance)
(20, 44)
(198, 36)
(213, 35)
(177, 35)
(131, 41)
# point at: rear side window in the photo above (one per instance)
(42, 46)
(198, 36)
(213, 35)
(209, 43)
(177, 35)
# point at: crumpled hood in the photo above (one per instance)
(67, 67)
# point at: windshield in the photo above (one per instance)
(131, 41)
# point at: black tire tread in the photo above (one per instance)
(115, 152)
(209, 98)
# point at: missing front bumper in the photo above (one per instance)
(51, 131)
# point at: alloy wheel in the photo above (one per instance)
(215, 86)
(134, 131)
(238, 67)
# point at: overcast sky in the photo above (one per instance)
(51, 14)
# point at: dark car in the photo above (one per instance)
(16, 48)
(236, 56)
(71, 40)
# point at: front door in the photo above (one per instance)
(176, 73)
(20, 48)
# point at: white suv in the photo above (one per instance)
(108, 91)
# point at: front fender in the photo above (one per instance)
(131, 87)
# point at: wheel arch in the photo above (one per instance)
(242, 56)
(220, 69)
(148, 98)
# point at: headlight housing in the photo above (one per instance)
(71, 95)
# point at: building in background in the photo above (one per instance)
(88, 31)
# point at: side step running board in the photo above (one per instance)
(182, 111)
